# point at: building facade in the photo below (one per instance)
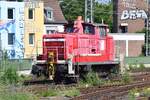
(12, 28)
(129, 15)
(34, 28)
(53, 17)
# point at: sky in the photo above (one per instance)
(103, 1)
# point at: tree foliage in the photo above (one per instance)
(73, 8)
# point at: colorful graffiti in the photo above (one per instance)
(15, 51)
(4, 25)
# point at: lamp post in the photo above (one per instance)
(147, 30)
(89, 11)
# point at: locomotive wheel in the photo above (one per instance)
(59, 76)
(38, 71)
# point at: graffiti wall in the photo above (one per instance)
(133, 14)
(132, 10)
(129, 15)
(15, 27)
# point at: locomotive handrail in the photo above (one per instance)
(56, 48)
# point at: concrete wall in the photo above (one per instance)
(53, 28)
(15, 25)
(128, 44)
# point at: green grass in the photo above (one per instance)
(8, 81)
(146, 92)
(17, 96)
(10, 76)
(132, 94)
(70, 92)
(50, 92)
(63, 92)
(137, 68)
(126, 78)
(8, 92)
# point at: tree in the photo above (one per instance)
(104, 12)
(73, 8)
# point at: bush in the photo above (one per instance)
(126, 78)
(146, 92)
(142, 67)
(10, 76)
(133, 94)
(92, 78)
(130, 67)
(71, 92)
(49, 93)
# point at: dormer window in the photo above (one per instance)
(48, 13)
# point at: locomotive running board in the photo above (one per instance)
(44, 61)
(90, 54)
(98, 63)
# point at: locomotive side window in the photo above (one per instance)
(102, 31)
(69, 29)
(88, 29)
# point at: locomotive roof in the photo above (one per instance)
(102, 25)
(86, 23)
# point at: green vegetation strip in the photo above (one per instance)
(16, 96)
(10, 81)
(135, 93)
(137, 60)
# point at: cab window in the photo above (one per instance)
(88, 29)
(102, 31)
(69, 29)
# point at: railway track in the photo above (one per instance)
(112, 92)
(107, 92)
(136, 77)
(33, 82)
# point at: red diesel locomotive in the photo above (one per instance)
(82, 47)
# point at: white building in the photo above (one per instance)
(53, 17)
(12, 28)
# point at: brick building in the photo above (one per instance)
(129, 15)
